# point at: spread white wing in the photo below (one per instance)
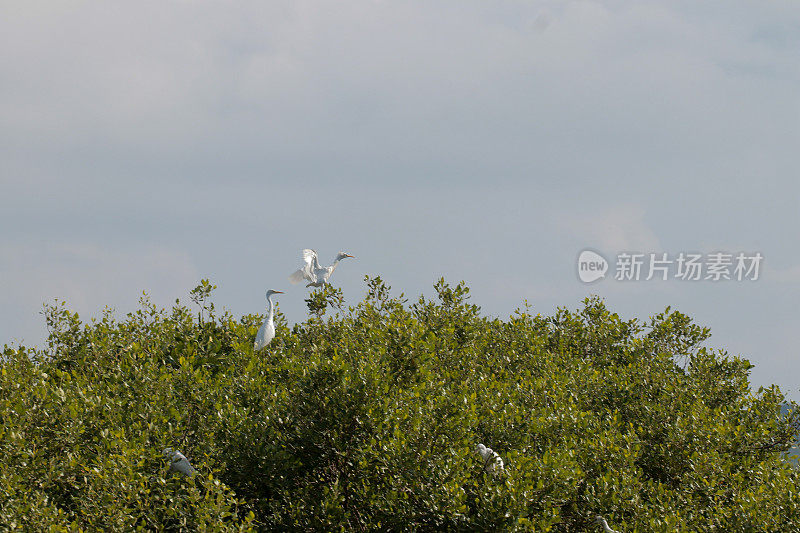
(493, 463)
(308, 256)
(310, 261)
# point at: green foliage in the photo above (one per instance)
(320, 299)
(368, 420)
(201, 295)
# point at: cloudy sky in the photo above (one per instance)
(146, 145)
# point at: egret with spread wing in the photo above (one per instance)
(492, 462)
(311, 270)
(267, 330)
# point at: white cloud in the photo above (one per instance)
(168, 80)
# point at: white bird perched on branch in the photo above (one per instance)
(267, 330)
(492, 462)
(600, 521)
(312, 271)
(178, 462)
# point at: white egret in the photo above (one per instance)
(492, 462)
(178, 462)
(600, 521)
(267, 330)
(311, 270)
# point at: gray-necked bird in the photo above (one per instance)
(311, 270)
(178, 462)
(267, 330)
(492, 462)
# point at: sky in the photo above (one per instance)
(147, 145)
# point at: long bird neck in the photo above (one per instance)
(270, 308)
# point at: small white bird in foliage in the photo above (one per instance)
(311, 270)
(600, 521)
(178, 462)
(492, 462)
(267, 330)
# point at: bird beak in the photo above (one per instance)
(348, 255)
(278, 292)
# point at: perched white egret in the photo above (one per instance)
(492, 462)
(312, 271)
(178, 462)
(267, 330)
(600, 521)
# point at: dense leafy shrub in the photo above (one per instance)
(367, 418)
